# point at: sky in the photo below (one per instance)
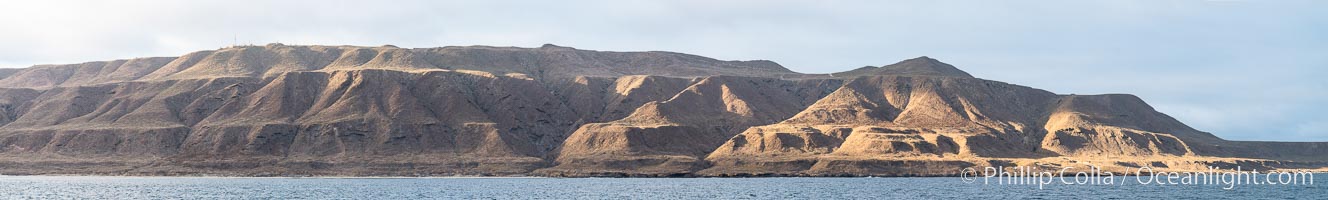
(1243, 70)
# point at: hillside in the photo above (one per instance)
(280, 110)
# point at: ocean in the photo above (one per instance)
(104, 187)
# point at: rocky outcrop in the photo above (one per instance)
(558, 111)
(1115, 125)
(895, 117)
(672, 136)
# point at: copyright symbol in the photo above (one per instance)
(969, 175)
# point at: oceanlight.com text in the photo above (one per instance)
(1091, 175)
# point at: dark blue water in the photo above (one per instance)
(43, 187)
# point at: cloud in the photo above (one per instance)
(1239, 69)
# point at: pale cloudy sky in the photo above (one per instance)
(1244, 70)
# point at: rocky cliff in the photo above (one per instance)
(279, 110)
